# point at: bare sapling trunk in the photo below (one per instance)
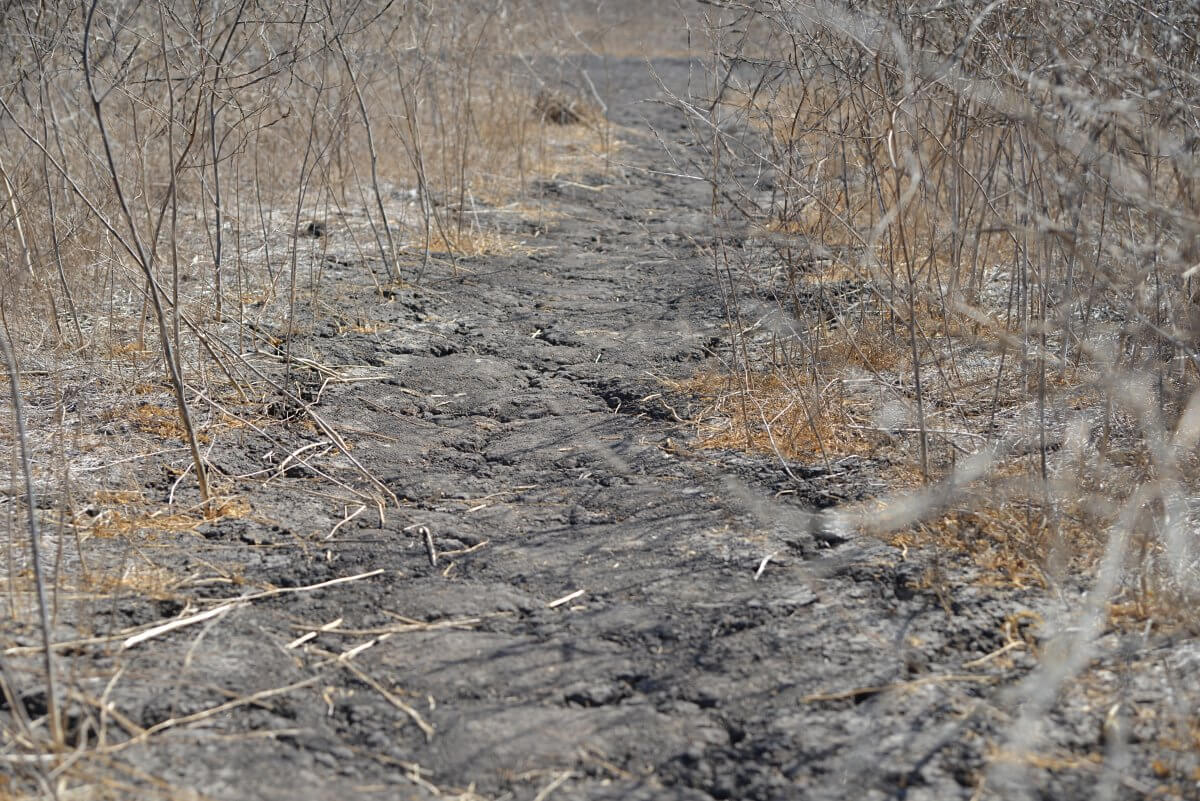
(145, 263)
(35, 550)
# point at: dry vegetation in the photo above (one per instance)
(964, 242)
(972, 239)
(169, 175)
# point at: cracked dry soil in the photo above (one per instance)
(525, 426)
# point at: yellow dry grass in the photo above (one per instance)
(123, 513)
(1165, 609)
(512, 137)
(769, 412)
(144, 580)
(162, 422)
(903, 203)
(1014, 543)
(472, 243)
(856, 179)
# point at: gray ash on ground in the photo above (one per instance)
(720, 646)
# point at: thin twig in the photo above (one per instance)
(35, 550)
(566, 599)
(179, 623)
(422, 724)
(216, 710)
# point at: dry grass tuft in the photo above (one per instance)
(963, 250)
(1015, 543)
(475, 243)
(776, 413)
(559, 108)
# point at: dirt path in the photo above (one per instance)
(596, 624)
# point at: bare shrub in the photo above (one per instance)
(170, 177)
(1011, 192)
